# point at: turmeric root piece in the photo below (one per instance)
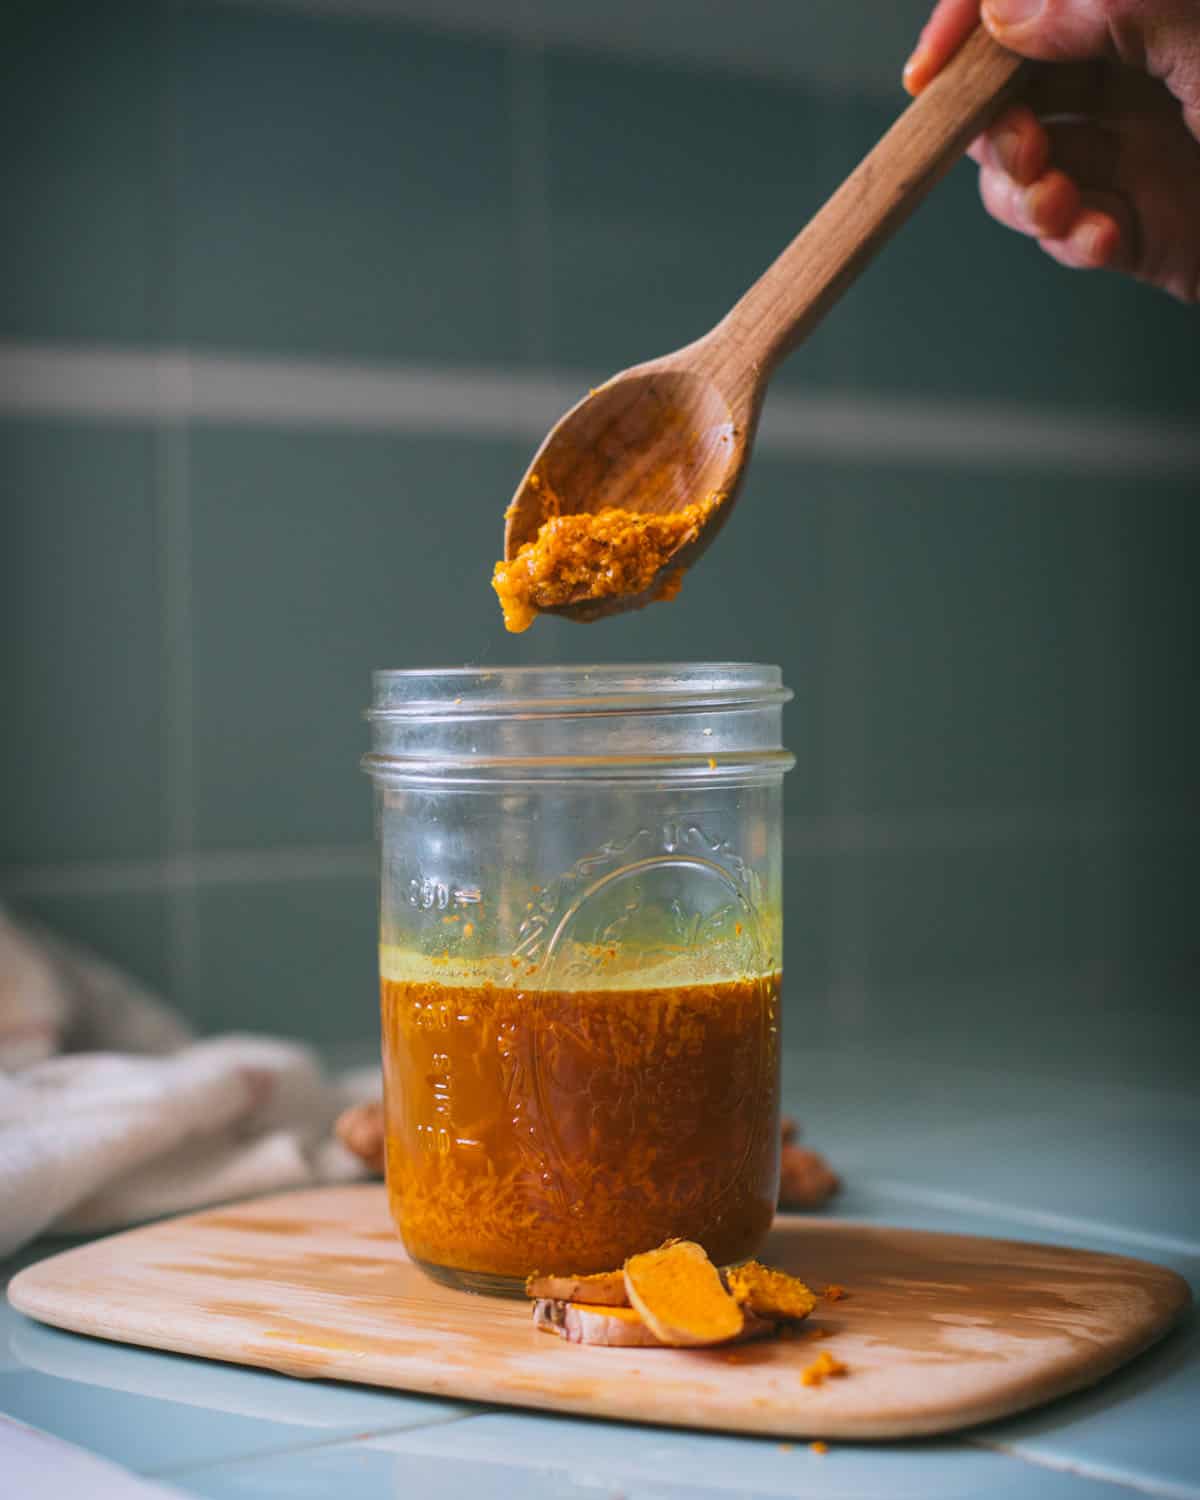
(360, 1130)
(613, 1327)
(601, 1289)
(618, 1327)
(770, 1294)
(805, 1179)
(680, 1295)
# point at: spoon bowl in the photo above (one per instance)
(651, 440)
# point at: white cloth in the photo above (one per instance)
(95, 1139)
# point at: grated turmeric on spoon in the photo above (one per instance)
(595, 555)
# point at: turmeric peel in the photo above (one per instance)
(601, 1289)
(611, 1327)
(680, 1296)
(618, 1327)
(770, 1294)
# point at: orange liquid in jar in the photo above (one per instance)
(559, 1130)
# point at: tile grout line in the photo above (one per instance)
(915, 1193)
(178, 710)
(177, 395)
(1132, 1484)
(345, 1440)
(107, 383)
(843, 752)
(830, 835)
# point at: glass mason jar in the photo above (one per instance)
(580, 962)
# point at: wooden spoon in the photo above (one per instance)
(678, 429)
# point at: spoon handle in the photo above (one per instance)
(792, 296)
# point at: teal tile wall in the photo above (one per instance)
(81, 90)
(992, 824)
(975, 657)
(81, 770)
(340, 187)
(294, 957)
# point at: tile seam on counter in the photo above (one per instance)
(265, 1455)
(1035, 1218)
(103, 382)
(941, 831)
(1132, 1484)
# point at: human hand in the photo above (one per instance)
(1100, 161)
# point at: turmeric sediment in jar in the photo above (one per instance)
(563, 1130)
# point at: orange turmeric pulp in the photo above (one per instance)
(595, 556)
(680, 1296)
(564, 1131)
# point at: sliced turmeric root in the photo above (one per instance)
(614, 1327)
(680, 1296)
(618, 1327)
(602, 1289)
(770, 1294)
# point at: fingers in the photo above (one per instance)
(1087, 231)
(1047, 209)
(1084, 150)
(1158, 38)
(1017, 144)
(1052, 30)
(1094, 243)
(949, 25)
(1071, 208)
(1056, 181)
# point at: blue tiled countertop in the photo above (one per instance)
(938, 1143)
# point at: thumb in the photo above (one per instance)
(1160, 36)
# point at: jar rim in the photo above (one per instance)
(596, 688)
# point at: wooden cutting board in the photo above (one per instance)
(937, 1331)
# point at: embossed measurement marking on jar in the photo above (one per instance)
(436, 1135)
(435, 895)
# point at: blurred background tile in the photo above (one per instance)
(81, 652)
(296, 957)
(81, 91)
(341, 187)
